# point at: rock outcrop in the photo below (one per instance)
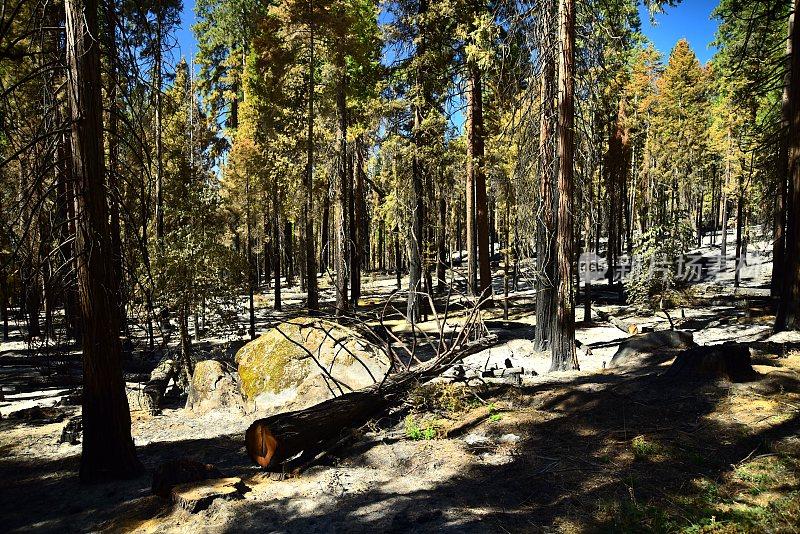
(305, 361)
(652, 348)
(215, 384)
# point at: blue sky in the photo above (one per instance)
(690, 20)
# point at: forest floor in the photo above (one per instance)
(599, 449)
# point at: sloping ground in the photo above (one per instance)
(600, 451)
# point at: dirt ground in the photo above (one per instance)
(593, 450)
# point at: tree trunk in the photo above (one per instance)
(782, 175)
(312, 301)
(415, 240)
(562, 347)
(250, 275)
(288, 247)
(788, 316)
(441, 264)
(545, 222)
(114, 184)
(159, 131)
(739, 225)
(397, 258)
(276, 257)
(325, 231)
(475, 156)
(340, 191)
(108, 450)
(474, 175)
(359, 224)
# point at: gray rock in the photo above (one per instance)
(306, 361)
(215, 384)
(651, 348)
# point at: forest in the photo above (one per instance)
(399, 265)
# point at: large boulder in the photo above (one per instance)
(652, 348)
(215, 384)
(304, 361)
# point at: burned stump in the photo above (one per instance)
(197, 496)
(729, 361)
(182, 471)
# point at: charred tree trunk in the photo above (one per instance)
(546, 222)
(108, 450)
(562, 347)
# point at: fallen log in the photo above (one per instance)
(157, 385)
(626, 326)
(286, 440)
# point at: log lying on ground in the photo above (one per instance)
(729, 361)
(148, 399)
(626, 326)
(286, 440)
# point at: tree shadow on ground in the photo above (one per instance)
(596, 453)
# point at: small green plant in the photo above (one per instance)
(418, 430)
(493, 415)
(643, 448)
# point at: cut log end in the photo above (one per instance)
(261, 444)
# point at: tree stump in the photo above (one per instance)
(182, 471)
(197, 496)
(729, 361)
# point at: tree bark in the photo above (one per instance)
(159, 131)
(114, 184)
(546, 222)
(359, 224)
(475, 159)
(312, 300)
(276, 257)
(470, 188)
(340, 191)
(788, 316)
(782, 175)
(288, 247)
(562, 348)
(108, 449)
(415, 241)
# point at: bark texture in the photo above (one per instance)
(108, 450)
